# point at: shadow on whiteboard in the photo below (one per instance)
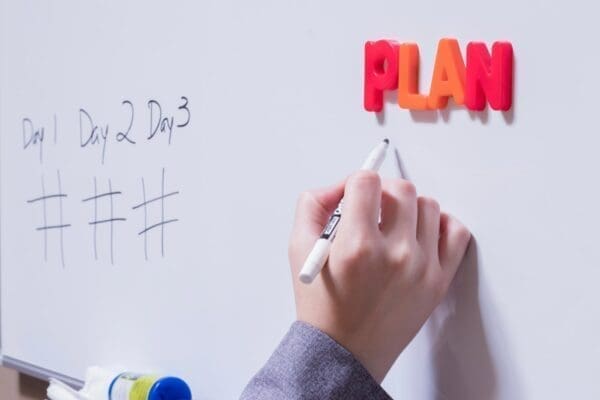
(445, 114)
(464, 366)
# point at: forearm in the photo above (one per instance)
(308, 364)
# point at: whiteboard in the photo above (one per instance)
(259, 101)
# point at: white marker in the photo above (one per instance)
(320, 251)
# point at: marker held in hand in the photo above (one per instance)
(320, 252)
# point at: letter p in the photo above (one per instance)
(381, 72)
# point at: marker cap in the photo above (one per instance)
(315, 261)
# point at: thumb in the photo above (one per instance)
(315, 206)
(312, 212)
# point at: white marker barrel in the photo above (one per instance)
(320, 252)
(315, 260)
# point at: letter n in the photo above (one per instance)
(489, 78)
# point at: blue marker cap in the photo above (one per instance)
(170, 388)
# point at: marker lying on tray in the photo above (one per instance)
(320, 252)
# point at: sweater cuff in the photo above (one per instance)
(308, 364)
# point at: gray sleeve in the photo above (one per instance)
(308, 364)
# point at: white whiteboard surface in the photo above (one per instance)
(274, 93)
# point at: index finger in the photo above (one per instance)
(362, 201)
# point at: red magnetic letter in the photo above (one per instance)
(488, 77)
(381, 72)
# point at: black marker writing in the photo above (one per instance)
(126, 135)
(158, 123)
(162, 222)
(109, 195)
(163, 123)
(32, 137)
(93, 134)
(184, 107)
(57, 198)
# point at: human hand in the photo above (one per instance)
(382, 280)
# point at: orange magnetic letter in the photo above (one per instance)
(408, 78)
(448, 75)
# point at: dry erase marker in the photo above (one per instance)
(320, 251)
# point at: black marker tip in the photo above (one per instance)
(386, 141)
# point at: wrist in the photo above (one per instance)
(361, 345)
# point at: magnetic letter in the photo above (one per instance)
(489, 78)
(448, 75)
(381, 72)
(408, 78)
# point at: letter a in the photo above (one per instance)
(448, 75)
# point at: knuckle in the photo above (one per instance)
(364, 178)
(429, 204)
(462, 233)
(358, 250)
(401, 256)
(407, 188)
(305, 197)
(362, 250)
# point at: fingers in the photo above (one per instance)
(399, 209)
(402, 214)
(454, 239)
(315, 206)
(362, 201)
(428, 223)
